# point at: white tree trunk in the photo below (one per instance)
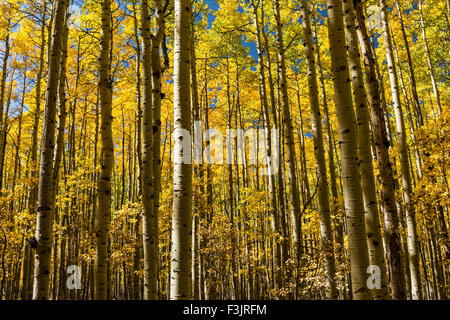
(181, 271)
(354, 206)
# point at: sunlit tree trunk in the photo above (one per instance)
(45, 190)
(354, 206)
(181, 272)
(156, 105)
(59, 149)
(376, 252)
(149, 219)
(380, 140)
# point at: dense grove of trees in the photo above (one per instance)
(106, 106)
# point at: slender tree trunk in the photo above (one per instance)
(59, 147)
(138, 147)
(157, 95)
(34, 144)
(380, 140)
(268, 142)
(181, 271)
(45, 217)
(198, 171)
(429, 63)
(149, 220)
(403, 153)
(107, 157)
(2, 93)
(409, 118)
(326, 232)
(4, 131)
(294, 195)
(411, 68)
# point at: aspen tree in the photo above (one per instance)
(268, 141)
(354, 207)
(198, 171)
(59, 149)
(181, 272)
(37, 112)
(427, 52)
(4, 131)
(44, 221)
(376, 252)
(284, 254)
(138, 147)
(149, 219)
(381, 142)
(2, 89)
(411, 68)
(404, 161)
(326, 232)
(294, 196)
(62, 111)
(157, 38)
(107, 157)
(408, 116)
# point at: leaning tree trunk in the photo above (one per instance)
(354, 207)
(107, 157)
(181, 272)
(44, 221)
(404, 161)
